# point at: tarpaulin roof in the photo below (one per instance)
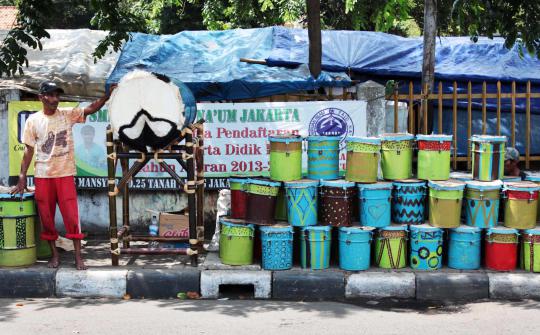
(208, 62)
(457, 58)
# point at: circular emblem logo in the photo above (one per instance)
(331, 122)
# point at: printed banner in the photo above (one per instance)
(236, 139)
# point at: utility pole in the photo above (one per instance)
(428, 64)
(314, 34)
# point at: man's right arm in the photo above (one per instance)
(27, 159)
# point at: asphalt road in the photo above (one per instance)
(132, 317)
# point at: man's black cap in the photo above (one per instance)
(48, 87)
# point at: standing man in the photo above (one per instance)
(48, 133)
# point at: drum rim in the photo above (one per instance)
(484, 185)
(380, 185)
(322, 138)
(534, 177)
(528, 187)
(16, 197)
(466, 229)
(424, 227)
(261, 182)
(365, 140)
(434, 138)
(488, 138)
(342, 183)
(394, 227)
(327, 229)
(446, 185)
(285, 138)
(301, 183)
(502, 230)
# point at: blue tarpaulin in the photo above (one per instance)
(208, 62)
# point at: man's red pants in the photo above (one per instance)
(61, 191)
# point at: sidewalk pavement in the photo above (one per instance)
(163, 277)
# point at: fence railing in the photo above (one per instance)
(419, 112)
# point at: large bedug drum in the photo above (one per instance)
(149, 110)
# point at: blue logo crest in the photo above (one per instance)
(331, 122)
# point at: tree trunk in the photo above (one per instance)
(314, 34)
(428, 64)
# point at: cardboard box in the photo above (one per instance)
(174, 224)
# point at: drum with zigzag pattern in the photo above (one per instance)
(408, 201)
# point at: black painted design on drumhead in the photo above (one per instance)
(162, 77)
(147, 136)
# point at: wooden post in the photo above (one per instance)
(113, 225)
(199, 169)
(189, 189)
(454, 114)
(469, 123)
(440, 108)
(411, 108)
(484, 106)
(125, 197)
(513, 134)
(528, 126)
(314, 34)
(499, 108)
(428, 62)
(396, 110)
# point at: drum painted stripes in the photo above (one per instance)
(315, 247)
(488, 157)
(323, 157)
(391, 247)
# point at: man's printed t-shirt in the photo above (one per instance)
(52, 139)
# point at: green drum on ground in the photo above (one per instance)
(17, 234)
(236, 242)
(391, 247)
(434, 156)
(521, 204)
(363, 155)
(285, 157)
(445, 199)
(530, 250)
(397, 154)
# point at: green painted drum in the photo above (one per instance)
(530, 250)
(362, 159)
(17, 234)
(285, 157)
(445, 199)
(521, 204)
(488, 157)
(535, 178)
(391, 247)
(236, 242)
(434, 156)
(397, 154)
(281, 205)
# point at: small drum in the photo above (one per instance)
(397, 153)
(434, 156)
(501, 248)
(302, 202)
(285, 157)
(261, 200)
(238, 197)
(482, 203)
(535, 178)
(464, 244)
(375, 204)
(17, 234)
(236, 242)
(488, 157)
(277, 247)
(336, 203)
(323, 157)
(315, 247)
(521, 204)
(391, 247)
(363, 159)
(426, 247)
(408, 201)
(355, 248)
(445, 203)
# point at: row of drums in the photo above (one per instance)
(336, 202)
(395, 152)
(19, 231)
(393, 247)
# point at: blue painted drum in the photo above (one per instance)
(408, 201)
(375, 204)
(464, 245)
(323, 157)
(277, 247)
(426, 247)
(482, 203)
(355, 248)
(315, 247)
(302, 202)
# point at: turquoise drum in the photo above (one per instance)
(323, 157)
(355, 248)
(408, 201)
(426, 247)
(464, 245)
(302, 202)
(375, 204)
(482, 203)
(277, 247)
(315, 247)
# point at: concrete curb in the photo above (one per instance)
(161, 283)
(308, 285)
(381, 285)
(514, 286)
(452, 286)
(212, 279)
(95, 283)
(27, 283)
